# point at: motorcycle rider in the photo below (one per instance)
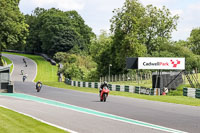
(104, 84)
(38, 84)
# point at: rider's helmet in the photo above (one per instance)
(105, 83)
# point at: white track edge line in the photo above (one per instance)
(175, 130)
(54, 125)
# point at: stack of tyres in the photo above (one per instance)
(191, 92)
(117, 87)
(185, 91)
(197, 93)
(126, 89)
(95, 85)
(74, 83)
(90, 85)
(152, 91)
(70, 82)
(110, 86)
(137, 89)
(79, 84)
(83, 84)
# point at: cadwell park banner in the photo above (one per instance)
(169, 63)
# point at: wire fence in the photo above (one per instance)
(143, 79)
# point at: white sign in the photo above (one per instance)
(161, 63)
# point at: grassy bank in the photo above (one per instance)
(8, 61)
(13, 122)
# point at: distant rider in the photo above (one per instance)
(25, 77)
(39, 84)
(104, 84)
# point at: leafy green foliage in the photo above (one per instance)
(100, 50)
(170, 49)
(159, 26)
(77, 67)
(53, 31)
(194, 40)
(13, 30)
(139, 31)
(128, 36)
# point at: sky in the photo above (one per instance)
(97, 13)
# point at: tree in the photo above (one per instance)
(128, 38)
(77, 67)
(177, 49)
(13, 30)
(139, 31)
(160, 24)
(194, 40)
(57, 31)
(100, 49)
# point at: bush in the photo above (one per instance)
(77, 67)
(178, 91)
(175, 93)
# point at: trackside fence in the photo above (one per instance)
(114, 87)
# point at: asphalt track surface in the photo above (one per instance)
(180, 117)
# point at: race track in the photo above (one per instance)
(179, 117)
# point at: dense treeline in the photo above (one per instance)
(13, 29)
(136, 30)
(53, 31)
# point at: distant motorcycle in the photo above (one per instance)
(104, 94)
(38, 88)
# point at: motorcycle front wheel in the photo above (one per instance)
(104, 97)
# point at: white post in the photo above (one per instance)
(109, 71)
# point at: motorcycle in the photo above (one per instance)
(38, 88)
(104, 94)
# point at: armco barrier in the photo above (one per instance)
(112, 87)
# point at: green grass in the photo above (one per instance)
(8, 61)
(45, 71)
(13, 122)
